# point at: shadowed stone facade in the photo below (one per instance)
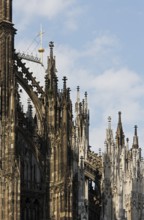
(47, 170)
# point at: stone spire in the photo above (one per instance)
(86, 103)
(51, 60)
(135, 138)
(109, 122)
(77, 104)
(109, 136)
(51, 77)
(78, 94)
(119, 133)
(64, 83)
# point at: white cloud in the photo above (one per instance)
(112, 90)
(72, 18)
(46, 8)
(102, 44)
(115, 79)
(71, 25)
(26, 11)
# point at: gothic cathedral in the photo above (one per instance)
(47, 168)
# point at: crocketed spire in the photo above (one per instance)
(135, 138)
(119, 133)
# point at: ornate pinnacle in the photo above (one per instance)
(64, 79)
(135, 130)
(119, 113)
(78, 88)
(135, 138)
(64, 82)
(51, 45)
(99, 151)
(119, 132)
(78, 94)
(68, 92)
(109, 122)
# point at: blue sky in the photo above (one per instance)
(99, 45)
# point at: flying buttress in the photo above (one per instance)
(25, 78)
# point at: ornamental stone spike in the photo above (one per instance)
(135, 138)
(109, 122)
(51, 45)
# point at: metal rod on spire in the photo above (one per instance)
(41, 49)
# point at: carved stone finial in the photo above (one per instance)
(68, 89)
(99, 151)
(109, 122)
(64, 83)
(64, 79)
(119, 113)
(109, 119)
(78, 95)
(135, 130)
(51, 45)
(135, 138)
(78, 88)
(119, 133)
(85, 94)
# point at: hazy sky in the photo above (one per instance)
(99, 45)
